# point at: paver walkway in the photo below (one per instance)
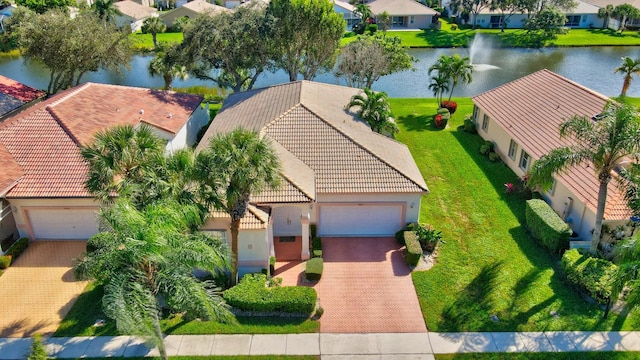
(333, 346)
(39, 288)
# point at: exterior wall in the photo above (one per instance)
(177, 13)
(589, 21)
(347, 15)
(419, 22)
(188, 133)
(517, 21)
(20, 207)
(412, 201)
(124, 20)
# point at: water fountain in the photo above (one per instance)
(480, 49)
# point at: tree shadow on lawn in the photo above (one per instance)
(418, 122)
(446, 39)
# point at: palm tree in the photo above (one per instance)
(374, 109)
(145, 261)
(119, 156)
(628, 67)
(606, 13)
(439, 84)
(154, 25)
(364, 11)
(105, 10)
(167, 62)
(605, 143)
(233, 167)
(455, 69)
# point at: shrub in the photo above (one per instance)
(316, 247)
(5, 261)
(314, 268)
(412, 250)
(372, 28)
(454, 27)
(37, 350)
(272, 265)
(400, 237)
(469, 126)
(18, 248)
(485, 149)
(446, 114)
(452, 106)
(411, 226)
(252, 294)
(1, 271)
(313, 230)
(546, 226)
(318, 313)
(593, 275)
(493, 156)
(428, 237)
(98, 241)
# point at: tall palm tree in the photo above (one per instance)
(154, 25)
(605, 143)
(454, 68)
(233, 167)
(439, 85)
(606, 13)
(105, 10)
(373, 107)
(628, 67)
(364, 11)
(145, 262)
(168, 63)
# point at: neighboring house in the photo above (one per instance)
(522, 119)
(14, 97)
(43, 173)
(405, 14)
(191, 10)
(346, 10)
(613, 23)
(337, 173)
(133, 14)
(585, 15)
(5, 13)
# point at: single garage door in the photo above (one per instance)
(65, 224)
(359, 220)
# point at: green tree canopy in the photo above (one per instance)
(623, 13)
(305, 36)
(105, 10)
(64, 46)
(605, 143)
(453, 68)
(42, 6)
(168, 63)
(364, 61)
(154, 25)
(373, 107)
(548, 22)
(628, 67)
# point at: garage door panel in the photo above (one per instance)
(65, 224)
(359, 220)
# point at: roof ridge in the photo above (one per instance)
(254, 211)
(364, 147)
(295, 184)
(58, 121)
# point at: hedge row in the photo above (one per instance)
(546, 226)
(593, 275)
(17, 248)
(252, 294)
(314, 269)
(413, 250)
(316, 247)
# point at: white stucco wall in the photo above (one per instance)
(517, 21)
(411, 201)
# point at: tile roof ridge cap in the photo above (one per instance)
(359, 144)
(285, 113)
(567, 80)
(256, 212)
(60, 123)
(295, 184)
(69, 93)
(6, 190)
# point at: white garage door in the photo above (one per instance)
(359, 220)
(63, 224)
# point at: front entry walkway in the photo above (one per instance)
(367, 288)
(39, 288)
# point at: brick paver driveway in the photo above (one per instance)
(39, 288)
(367, 288)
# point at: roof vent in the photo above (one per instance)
(170, 115)
(141, 111)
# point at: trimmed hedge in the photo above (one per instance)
(99, 241)
(5, 261)
(313, 230)
(413, 250)
(18, 248)
(252, 294)
(316, 247)
(314, 269)
(400, 237)
(546, 226)
(593, 275)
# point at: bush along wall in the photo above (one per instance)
(17, 248)
(593, 275)
(253, 294)
(413, 250)
(313, 272)
(546, 226)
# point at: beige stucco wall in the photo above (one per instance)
(411, 202)
(420, 22)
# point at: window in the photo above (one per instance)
(412, 19)
(525, 159)
(287, 239)
(513, 148)
(218, 234)
(397, 21)
(573, 20)
(475, 113)
(485, 122)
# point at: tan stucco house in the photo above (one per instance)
(133, 14)
(191, 10)
(338, 174)
(405, 14)
(43, 174)
(522, 118)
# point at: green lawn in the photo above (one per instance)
(488, 264)
(80, 319)
(144, 42)
(544, 356)
(446, 38)
(220, 357)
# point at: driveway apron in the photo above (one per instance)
(367, 288)
(39, 288)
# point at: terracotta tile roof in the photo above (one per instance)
(400, 7)
(88, 108)
(254, 219)
(135, 10)
(44, 140)
(309, 120)
(11, 170)
(19, 90)
(531, 110)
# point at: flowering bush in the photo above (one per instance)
(452, 106)
(510, 188)
(438, 121)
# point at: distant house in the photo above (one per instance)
(346, 10)
(191, 10)
(584, 16)
(337, 173)
(405, 14)
(43, 173)
(522, 119)
(613, 23)
(133, 14)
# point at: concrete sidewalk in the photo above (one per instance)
(333, 346)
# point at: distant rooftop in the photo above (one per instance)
(14, 95)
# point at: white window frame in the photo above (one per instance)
(485, 122)
(412, 19)
(475, 113)
(525, 160)
(513, 149)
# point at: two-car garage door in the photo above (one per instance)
(360, 219)
(63, 224)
